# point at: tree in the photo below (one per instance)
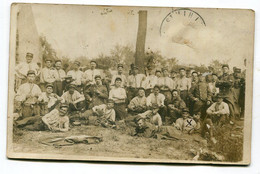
(47, 50)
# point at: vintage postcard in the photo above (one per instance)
(130, 84)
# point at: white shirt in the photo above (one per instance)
(90, 74)
(74, 98)
(183, 84)
(153, 99)
(22, 68)
(27, 89)
(50, 99)
(221, 108)
(77, 76)
(135, 81)
(47, 75)
(59, 74)
(118, 95)
(103, 111)
(149, 82)
(164, 82)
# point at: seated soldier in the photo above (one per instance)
(66, 83)
(218, 112)
(74, 99)
(186, 124)
(95, 94)
(105, 113)
(56, 120)
(118, 94)
(48, 100)
(138, 104)
(152, 115)
(175, 107)
(26, 97)
(157, 98)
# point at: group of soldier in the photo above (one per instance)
(183, 101)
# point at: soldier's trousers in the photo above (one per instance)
(120, 109)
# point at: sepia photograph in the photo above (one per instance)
(130, 84)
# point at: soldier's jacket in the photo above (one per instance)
(201, 91)
(178, 104)
(99, 94)
(148, 130)
(225, 84)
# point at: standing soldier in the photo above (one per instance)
(150, 81)
(212, 86)
(183, 85)
(47, 74)
(59, 78)
(225, 85)
(165, 84)
(90, 74)
(200, 95)
(120, 74)
(118, 94)
(238, 84)
(174, 79)
(77, 76)
(22, 69)
(134, 82)
(27, 96)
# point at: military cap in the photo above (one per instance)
(29, 54)
(110, 101)
(155, 106)
(72, 86)
(120, 65)
(141, 88)
(219, 95)
(173, 71)
(163, 69)
(118, 78)
(185, 110)
(135, 67)
(181, 69)
(138, 118)
(237, 70)
(48, 85)
(93, 61)
(48, 59)
(31, 72)
(97, 76)
(194, 72)
(225, 65)
(157, 70)
(175, 90)
(77, 63)
(64, 105)
(157, 86)
(58, 60)
(149, 67)
(68, 77)
(214, 74)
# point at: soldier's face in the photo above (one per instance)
(219, 99)
(76, 67)
(110, 105)
(63, 111)
(225, 70)
(185, 115)
(118, 83)
(48, 64)
(135, 71)
(31, 78)
(93, 65)
(215, 78)
(175, 94)
(58, 65)
(71, 90)
(156, 91)
(174, 74)
(141, 93)
(29, 59)
(98, 81)
(158, 74)
(194, 75)
(165, 73)
(49, 90)
(120, 69)
(201, 78)
(140, 123)
(182, 72)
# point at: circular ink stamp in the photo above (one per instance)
(183, 16)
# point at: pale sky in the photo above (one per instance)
(83, 31)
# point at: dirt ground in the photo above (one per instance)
(116, 143)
